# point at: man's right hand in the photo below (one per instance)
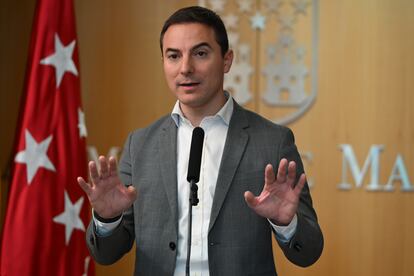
(106, 194)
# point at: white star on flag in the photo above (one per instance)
(61, 59)
(81, 123)
(70, 217)
(258, 21)
(34, 156)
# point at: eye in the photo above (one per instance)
(172, 56)
(201, 54)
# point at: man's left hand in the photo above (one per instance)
(279, 198)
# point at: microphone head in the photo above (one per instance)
(196, 151)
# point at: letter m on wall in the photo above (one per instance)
(349, 161)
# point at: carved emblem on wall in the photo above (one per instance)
(286, 62)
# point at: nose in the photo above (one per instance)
(187, 66)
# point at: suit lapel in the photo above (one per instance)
(235, 145)
(168, 163)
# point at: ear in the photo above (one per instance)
(228, 60)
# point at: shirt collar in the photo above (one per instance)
(224, 113)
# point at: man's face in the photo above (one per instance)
(194, 66)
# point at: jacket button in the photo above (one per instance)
(172, 246)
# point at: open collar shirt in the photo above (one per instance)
(215, 132)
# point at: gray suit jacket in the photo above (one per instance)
(239, 241)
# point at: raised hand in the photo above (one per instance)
(106, 194)
(279, 198)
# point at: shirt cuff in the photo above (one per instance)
(285, 233)
(104, 229)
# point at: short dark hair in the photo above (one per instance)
(196, 14)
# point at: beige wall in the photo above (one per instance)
(366, 84)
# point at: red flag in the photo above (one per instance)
(47, 212)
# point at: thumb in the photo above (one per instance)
(131, 193)
(250, 199)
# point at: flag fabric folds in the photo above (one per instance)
(47, 212)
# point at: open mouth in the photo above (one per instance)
(189, 84)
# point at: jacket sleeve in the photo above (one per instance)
(306, 246)
(108, 249)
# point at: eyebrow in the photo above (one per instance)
(202, 44)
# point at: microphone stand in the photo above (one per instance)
(193, 202)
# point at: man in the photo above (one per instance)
(148, 202)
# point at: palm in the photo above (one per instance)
(107, 195)
(279, 198)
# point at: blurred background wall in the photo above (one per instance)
(365, 86)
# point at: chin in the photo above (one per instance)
(193, 102)
(188, 96)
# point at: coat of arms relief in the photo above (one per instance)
(275, 44)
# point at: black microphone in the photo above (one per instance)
(193, 176)
(196, 151)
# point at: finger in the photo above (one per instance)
(132, 193)
(85, 186)
(93, 171)
(291, 177)
(104, 172)
(269, 174)
(113, 170)
(301, 183)
(281, 172)
(250, 199)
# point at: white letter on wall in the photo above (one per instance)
(348, 157)
(399, 172)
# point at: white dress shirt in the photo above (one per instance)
(215, 133)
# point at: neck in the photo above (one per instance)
(196, 114)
